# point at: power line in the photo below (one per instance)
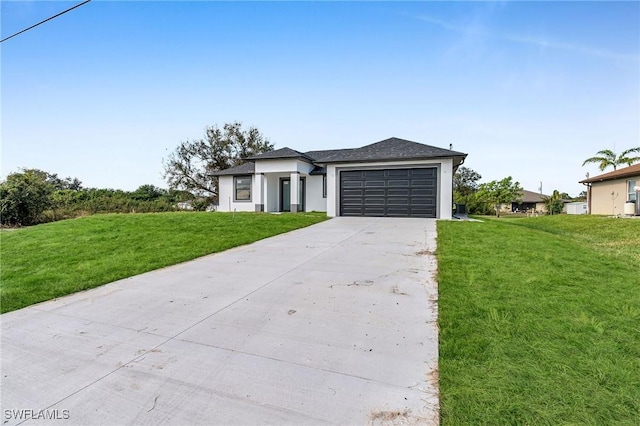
(42, 22)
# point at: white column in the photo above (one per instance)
(294, 185)
(258, 189)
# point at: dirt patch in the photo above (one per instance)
(425, 252)
(394, 290)
(389, 416)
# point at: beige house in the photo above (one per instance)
(608, 193)
(531, 202)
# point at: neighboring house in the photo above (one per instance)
(531, 202)
(393, 177)
(608, 193)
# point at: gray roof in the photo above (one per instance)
(243, 169)
(280, 153)
(327, 155)
(388, 149)
(532, 197)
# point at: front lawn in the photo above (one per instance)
(540, 321)
(55, 259)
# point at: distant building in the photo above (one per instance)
(608, 193)
(531, 202)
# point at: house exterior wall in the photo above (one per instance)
(226, 202)
(314, 200)
(609, 197)
(283, 166)
(445, 182)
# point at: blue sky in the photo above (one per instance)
(527, 89)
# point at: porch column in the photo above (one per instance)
(258, 188)
(295, 184)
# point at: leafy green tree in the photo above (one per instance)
(24, 196)
(190, 166)
(553, 202)
(496, 193)
(465, 184)
(148, 193)
(607, 158)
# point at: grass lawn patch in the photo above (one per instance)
(539, 321)
(55, 259)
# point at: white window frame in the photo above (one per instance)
(235, 188)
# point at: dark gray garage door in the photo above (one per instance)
(392, 192)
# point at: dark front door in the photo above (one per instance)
(390, 192)
(285, 195)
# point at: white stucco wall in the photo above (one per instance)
(445, 182)
(225, 197)
(314, 200)
(283, 166)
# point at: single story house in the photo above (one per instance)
(393, 177)
(608, 193)
(531, 202)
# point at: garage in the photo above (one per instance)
(390, 192)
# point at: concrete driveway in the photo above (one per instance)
(335, 323)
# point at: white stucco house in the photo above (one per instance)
(393, 177)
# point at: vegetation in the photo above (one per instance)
(553, 203)
(55, 259)
(465, 186)
(190, 166)
(543, 328)
(34, 196)
(496, 193)
(608, 158)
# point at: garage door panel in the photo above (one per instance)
(375, 192)
(374, 211)
(399, 192)
(398, 182)
(377, 201)
(397, 202)
(424, 172)
(398, 172)
(390, 192)
(353, 193)
(374, 174)
(422, 182)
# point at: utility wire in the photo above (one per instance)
(42, 22)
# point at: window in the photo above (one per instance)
(242, 188)
(631, 192)
(324, 186)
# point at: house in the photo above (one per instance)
(608, 193)
(393, 177)
(531, 202)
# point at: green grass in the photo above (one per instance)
(55, 259)
(540, 321)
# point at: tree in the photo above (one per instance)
(147, 193)
(553, 202)
(496, 193)
(190, 166)
(24, 196)
(465, 184)
(606, 158)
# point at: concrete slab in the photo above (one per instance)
(335, 323)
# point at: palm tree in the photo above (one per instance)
(606, 158)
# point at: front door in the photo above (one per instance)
(285, 195)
